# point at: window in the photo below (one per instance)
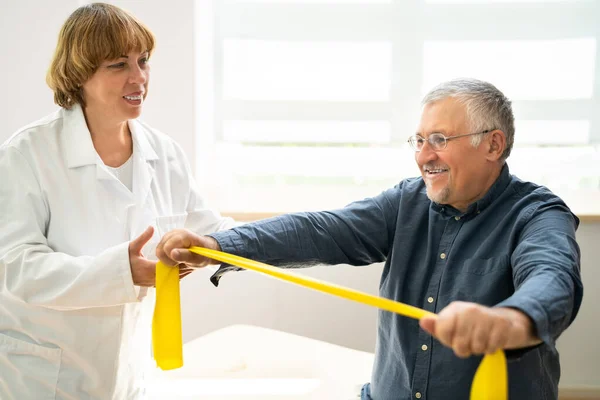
(307, 104)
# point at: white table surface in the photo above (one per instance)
(245, 362)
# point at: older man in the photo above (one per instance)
(496, 257)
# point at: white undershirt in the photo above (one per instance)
(124, 173)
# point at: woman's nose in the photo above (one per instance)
(138, 75)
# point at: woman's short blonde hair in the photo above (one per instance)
(92, 34)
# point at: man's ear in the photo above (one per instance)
(496, 144)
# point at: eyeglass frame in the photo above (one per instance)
(446, 139)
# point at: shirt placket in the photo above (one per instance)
(423, 360)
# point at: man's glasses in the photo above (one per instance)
(437, 141)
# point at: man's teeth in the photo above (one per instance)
(435, 171)
(133, 97)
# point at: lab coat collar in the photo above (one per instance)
(77, 140)
(140, 140)
(79, 147)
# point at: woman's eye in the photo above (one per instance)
(117, 65)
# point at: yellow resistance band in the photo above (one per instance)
(489, 383)
(167, 342)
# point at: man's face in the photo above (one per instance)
(460, 174)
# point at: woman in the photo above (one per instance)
(81, 193)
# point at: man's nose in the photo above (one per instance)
(426, 154)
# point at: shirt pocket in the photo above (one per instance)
(485, 266)
(27, 370)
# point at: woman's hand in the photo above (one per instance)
(143, 271)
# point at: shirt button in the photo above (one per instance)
(443, 256)
(430, 299)
(424, 347)
(418, 395)
(457, 218)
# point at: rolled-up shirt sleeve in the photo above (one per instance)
(546, 272)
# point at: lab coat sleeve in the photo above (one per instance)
(30, 270)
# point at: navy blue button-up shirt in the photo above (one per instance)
(515, 247)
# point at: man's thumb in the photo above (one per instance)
(140, 241)
(428, 325)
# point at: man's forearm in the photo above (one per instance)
(523, 329)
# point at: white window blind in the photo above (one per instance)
(307, 104)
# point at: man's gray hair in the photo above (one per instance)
(487, 107)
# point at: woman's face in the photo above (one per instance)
(118, 88)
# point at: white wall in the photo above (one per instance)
(579, 346)
(243, 297)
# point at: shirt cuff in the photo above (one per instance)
(534, 310)
(229, 242)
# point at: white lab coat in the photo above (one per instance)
(72, 323)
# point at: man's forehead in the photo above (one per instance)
(444, 116)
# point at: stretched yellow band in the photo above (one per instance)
(489, 383)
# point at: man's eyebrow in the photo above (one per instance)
(441, 131)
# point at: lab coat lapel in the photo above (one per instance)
(144, 211)
(143, 169)
(137, 207)
(78, 145)
(106, 200)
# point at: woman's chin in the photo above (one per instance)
(133, 113)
